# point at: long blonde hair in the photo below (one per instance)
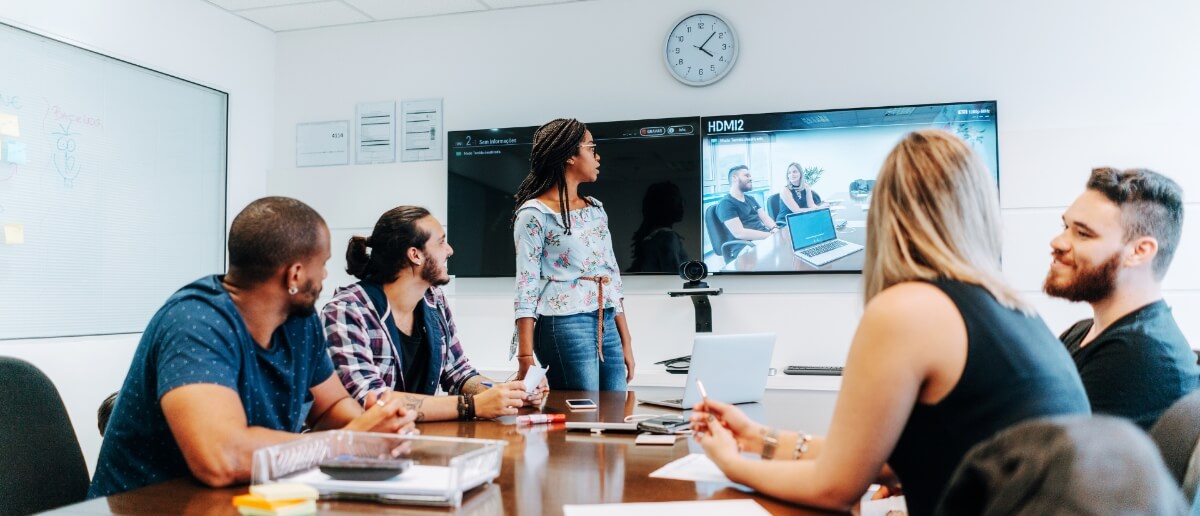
(934, 214)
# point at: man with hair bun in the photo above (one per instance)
(1117, 242)
(393, 330)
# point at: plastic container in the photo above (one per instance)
(443, 467)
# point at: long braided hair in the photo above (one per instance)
(553, 144)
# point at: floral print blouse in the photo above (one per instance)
(550, 262)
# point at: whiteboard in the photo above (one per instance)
(112, 188)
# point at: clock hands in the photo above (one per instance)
(701, 47)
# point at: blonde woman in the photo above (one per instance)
(946, 353)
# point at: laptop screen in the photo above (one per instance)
(810, 228)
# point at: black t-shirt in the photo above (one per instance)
(412, 364)
(1137, 367)
(746, 211)
(1015, 371)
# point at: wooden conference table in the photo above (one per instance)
(544, 467)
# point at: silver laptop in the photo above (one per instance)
(814, 238)
(733, 368)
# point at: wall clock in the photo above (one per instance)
(701, 49)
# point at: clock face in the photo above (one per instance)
(701, 49)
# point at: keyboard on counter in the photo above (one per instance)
(814, 370)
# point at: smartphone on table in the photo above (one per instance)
(581, 404)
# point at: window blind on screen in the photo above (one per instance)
(112, 188)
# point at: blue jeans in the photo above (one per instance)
(567, 344)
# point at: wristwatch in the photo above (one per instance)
(770, 440)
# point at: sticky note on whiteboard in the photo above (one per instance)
(9, 125)
(14, 152)
(14, 234)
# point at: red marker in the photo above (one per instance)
(534, 419)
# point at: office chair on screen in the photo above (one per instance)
(1177, 434)
(43, 465)
(774, 207)
(1077, 465)
(724, 245)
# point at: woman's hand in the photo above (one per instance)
(538, 395)
(629, 366)
(744, 430)
(718, 442)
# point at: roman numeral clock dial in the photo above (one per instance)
(701, 49)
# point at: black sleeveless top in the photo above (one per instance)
(1015, 370)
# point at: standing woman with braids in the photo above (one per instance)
(569, 296)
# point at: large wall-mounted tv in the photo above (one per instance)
(838, 152)
(651, 164)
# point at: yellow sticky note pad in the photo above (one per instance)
(10, 125)
(14, 234)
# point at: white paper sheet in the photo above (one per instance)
(321, 144)
(697, 508)
(376, 132)
(696, 467)
(883, 507)
(533, 377)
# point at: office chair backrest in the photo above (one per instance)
(1063, 465)
(42, 467)
(718, 234)
(774, 206)
(1177, 434)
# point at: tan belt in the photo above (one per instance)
(600, 281)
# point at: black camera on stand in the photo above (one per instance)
(694, 272)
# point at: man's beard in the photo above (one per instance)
(1090, 284)
(432, 274)
(306, 304)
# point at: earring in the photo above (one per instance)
(293, 290)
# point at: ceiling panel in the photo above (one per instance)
(238, 5)
(304, 16)
(393, 9)
(505, 4)
(285, 15)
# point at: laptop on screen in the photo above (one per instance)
(814, 239)
(733, 368)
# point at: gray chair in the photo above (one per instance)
(43, 465)
(1076, 465)
(723, 243)
(1177, 434)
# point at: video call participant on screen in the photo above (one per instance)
(946, 354)
(225, 366)
(657, 247)
(740, 213)
(393, 329)
(797, 195)
(569, 295)
(1117, 242)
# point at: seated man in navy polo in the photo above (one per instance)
(227, 364)
(1117, 242)
(740, 213)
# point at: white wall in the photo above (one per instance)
(1079, 84)
(189, 39)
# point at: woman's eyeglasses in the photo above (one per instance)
(591, 147)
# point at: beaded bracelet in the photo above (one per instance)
(801, 446)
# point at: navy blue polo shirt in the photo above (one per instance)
(198, 336)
